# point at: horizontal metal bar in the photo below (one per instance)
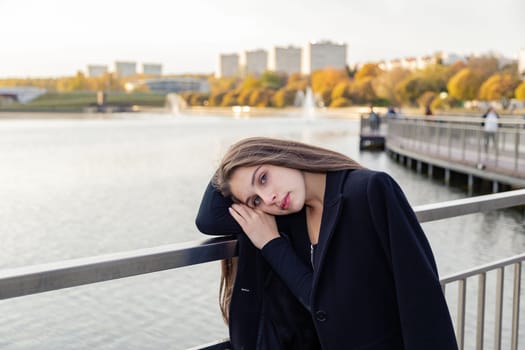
(444, 210)
(217, 345)
(456, 120)
(64, 274)
(483, 268)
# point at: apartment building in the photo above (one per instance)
(285, 59)
(323, 54)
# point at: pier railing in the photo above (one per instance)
(462, 140)
(23, 281)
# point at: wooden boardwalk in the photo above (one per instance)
(460, 146)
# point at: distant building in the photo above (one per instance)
(96, 70)
(152, 69)
(448, 58)
(323, 54)
(254, 62)
(125, 69)
(20, 94)
(427, 61)
(167, 85)
(521, 64)
(228, 65)
(409, 63)
(285, 59)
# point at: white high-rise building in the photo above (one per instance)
(152, 69)
(285, 59)
(323, 54)
(254, 61)
(228, 65)
(448, 58)
(96, 70)
(125, 69)
(521, 63)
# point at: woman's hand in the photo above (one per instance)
(258, 226)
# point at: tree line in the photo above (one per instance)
(438, 86)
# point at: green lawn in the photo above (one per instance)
(77, 101)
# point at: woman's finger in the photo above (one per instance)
(237, 216)
(243, 210)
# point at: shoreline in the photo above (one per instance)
(353, 112)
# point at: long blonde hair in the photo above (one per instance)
(263, 150)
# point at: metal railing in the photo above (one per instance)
(463, 140)
(481, 272)
(47, 277)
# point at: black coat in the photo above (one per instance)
(375, 282)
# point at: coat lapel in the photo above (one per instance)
(331, 213)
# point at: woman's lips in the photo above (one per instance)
(285, 203)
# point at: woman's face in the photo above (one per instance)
(274, 189)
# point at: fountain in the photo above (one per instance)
(309, 105)
(174, 103)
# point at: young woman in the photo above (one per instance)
(332, 255)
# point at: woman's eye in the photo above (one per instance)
(263, 179)
(256, 201)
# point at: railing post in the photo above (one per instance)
(479, 146)
(463, 143)
(516, 147)
(499, 308)
(460, 332)
(449, 130)
(497, 143)
(480, 326)
(438, 145)
(516, 306)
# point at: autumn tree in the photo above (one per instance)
(362, 90)
(261, 98)
(284, 97)
(244, 97)
(230, 99)
(431, 78)
(296, 81)
(485, 66)
(426, 98)
(369, 70)
(498, 86)
(520, 91)
(250, 82)
(216, 98)
(385, 84)
(326, 79)
(410, 88)
(464, 85)
(453, 69)
(199, 99)
(341, 90)
(218, 85)
(272, 80)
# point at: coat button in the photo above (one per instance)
(320, 316)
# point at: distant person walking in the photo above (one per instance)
(490, 128)
(391, 113)
(374, 120)
(428, 111)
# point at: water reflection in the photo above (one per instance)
(80, 188)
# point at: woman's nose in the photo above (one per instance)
(270, 198)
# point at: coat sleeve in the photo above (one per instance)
(424, 316)
(296, 275)
(213, 217)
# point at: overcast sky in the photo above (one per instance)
(58, 37)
